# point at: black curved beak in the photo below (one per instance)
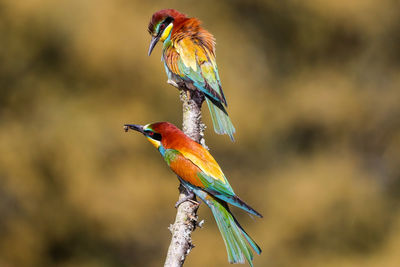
(154, 41)
(138, 128)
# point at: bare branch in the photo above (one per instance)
(186, 217)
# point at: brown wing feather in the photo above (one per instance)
(171, 58)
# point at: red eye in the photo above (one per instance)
(162, 26)
(151, 133)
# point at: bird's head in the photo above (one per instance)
(161, 25)
(160, 134)
(152, 135)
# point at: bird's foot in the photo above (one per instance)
(200, 223)
(171, 82)
(187, 198)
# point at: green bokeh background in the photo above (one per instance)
(313, 90)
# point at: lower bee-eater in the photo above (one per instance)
(200, 174)
(189, 61)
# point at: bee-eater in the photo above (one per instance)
(189, 60)
(200, 174)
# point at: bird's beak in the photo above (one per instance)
(153, 43)
(135, 127)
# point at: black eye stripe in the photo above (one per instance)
(153, 135)
(164, 24)
(167, 21)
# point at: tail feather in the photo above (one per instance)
(245, 206)
(252, 243)
(221, 121)
(239, 244)
(236, 201)
(224, 192)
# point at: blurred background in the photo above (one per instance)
(313, 90)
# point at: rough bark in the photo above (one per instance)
(186, 217)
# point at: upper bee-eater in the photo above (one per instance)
(200, 174)
(189, 60)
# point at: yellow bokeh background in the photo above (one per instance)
(313, 91)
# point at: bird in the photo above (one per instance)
(189, 59)
(201, 175)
